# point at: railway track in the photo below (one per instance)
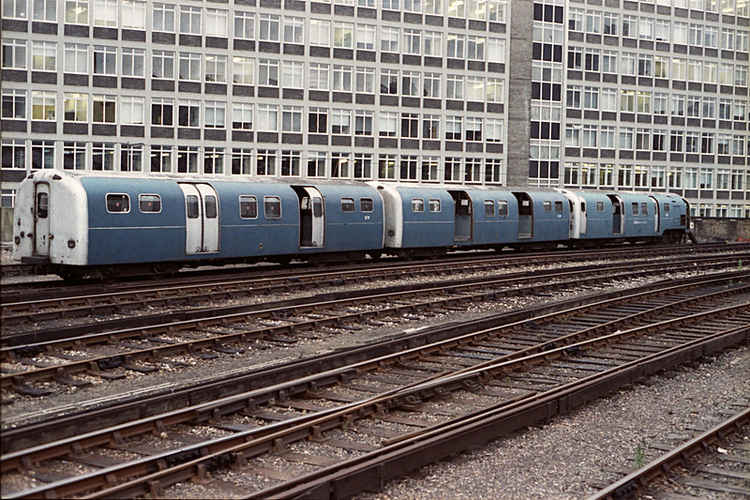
(41, 290)
(60, 355)
(716, 461)
(15, 314)
(365, 422)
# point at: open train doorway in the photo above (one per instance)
(311, 217)
(201, 218)
(618, 219)
(41, 219)
(525, 215)
(657, 215)
(464, 216)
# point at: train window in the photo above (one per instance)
(347, 204)
(211, 208)
(191, 205)
(547, 206)
(434, 205)
(42, 205)
(600, 206)
(502, 208)
(489, 208)
(644, 208)
(149, 203)
(635, 208)
(417, 205)
(248, 207)
(118, 203)
(272, 207)
(666, 209)
(558, 207)
(365, 204)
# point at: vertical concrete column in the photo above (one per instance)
(519, 99)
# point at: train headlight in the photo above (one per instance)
(71, 244)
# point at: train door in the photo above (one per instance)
(312, 217)
(463, 215)
(525, 215)
(571, 221)
(618, 214)
(657, 216)
(584, 218)
(201, 219)
(41, 219)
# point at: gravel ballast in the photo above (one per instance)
(575, 455)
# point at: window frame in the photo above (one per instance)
(106, 203)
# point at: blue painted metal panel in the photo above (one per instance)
(493, 229)
(598, 222)
(427, 229)
(677, 208)
(356, 230)
(549, 226)
(640, 224)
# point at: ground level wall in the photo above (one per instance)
(708, 229)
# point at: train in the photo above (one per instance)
(95, 225)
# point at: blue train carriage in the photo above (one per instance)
(419, 220)
(492, 221)
(543, 218)
(593, 215)
(340, 217)
(672, 216)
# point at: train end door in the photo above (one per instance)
(41, 219)
(201, 219)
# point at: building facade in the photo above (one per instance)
(602, 94)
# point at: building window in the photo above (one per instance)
(320, 32)
(13, 154)
(162, 110)
(133, 14)
(494, 129)
(431, 85)
(190, 66)
(363, 123)
(163, 16)
(187, 159)
(409, 169)
(105, 60)
(387, 124)
(365, 80)
(215, 112)
(133, 62)
(410, 84)
(103, 107)
(430, 170)
(42, 154)
(14, 104)
(216, 68)
(453, 128)
(244, 25)
(242, 116)
(76, 11)
(343, 35)
(102, 156)
(243, 70)
(213, 160)
(341, 122)
(291, 119)
(362, 166)
(131, 157)
(454, 87)
(268, 72)
(242, 161)
(316, 164)
(190, 20)
(294, 30)
(431, 127)
(412, 41)
(162, 64)
(340, 163)
(290, 163)
(105, 13)
(161, 158)
(473, 129)
(43, 56)
(317, 121)
(452, 170)
(75, 107)
(409, 125)
(14, 53)
(188, 113)
(386, 166)
(456, 45)
(342, 78)
(389, 81)
(389, 39)
(43, 104)
(267, 117)
(15, 9)
(433, 43)
(216, 22)
(74, 155)
(8, 198)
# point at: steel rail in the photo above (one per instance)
(636, 481)
(78, 420)
(261, 444)
(239, 453)
(13, 461)
(215, 341)
(369, 472)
